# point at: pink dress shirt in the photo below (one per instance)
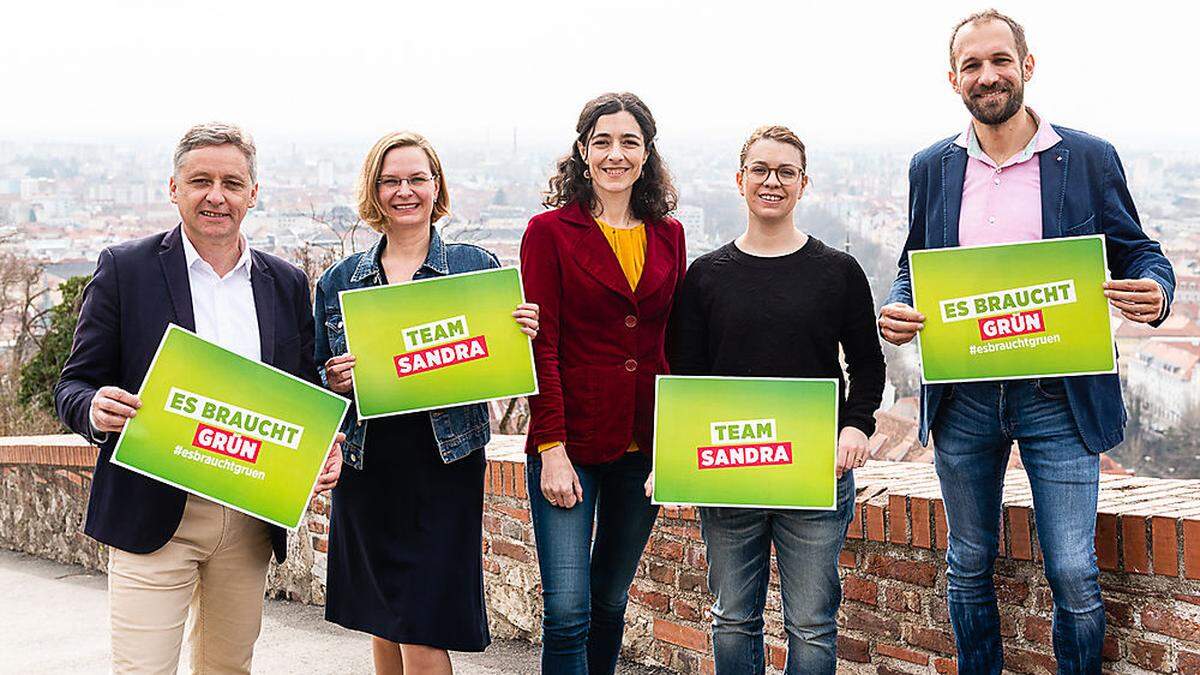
(1002, 204)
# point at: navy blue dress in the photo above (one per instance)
(404, 541)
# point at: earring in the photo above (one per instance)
(587, 174)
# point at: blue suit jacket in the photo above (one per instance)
(1083, 192)
(139, 287)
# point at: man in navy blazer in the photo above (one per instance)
(171, 550)
(1011, 176)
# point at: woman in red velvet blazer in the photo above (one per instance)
(604, 267)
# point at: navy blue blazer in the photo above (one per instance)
(138, 289)
(1083, 192)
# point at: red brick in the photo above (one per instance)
(860, 590)
(848, 558)
(1133, 544)
(902, 654)
(1148, 655)
(1106, 541)
(491, 566)
(511, 550)
(1010, 590)
(899, 600)
(511, 478)
(929, 639)
(665, 548)
(856, 524)
(897, 519)
(1118, 613)
(682, 531)
(1188, 663)
(682, 636)
(1009, 625)
(1165, 622)
(491, 523)
(854, 617)
(694, 558)
(921, 536)
(777, 657)
(1191, 549)
(659, 602)
(1190, 599)
(663, 574)
(320, 544)
(686, 610)
(1111, 651)
(317, 527)
(884, 669)
(1023, 661)
(851, 649)
(512, 512)
(911, 571)
(708, 667)
(874, 522)
(1038, 630)
(940, 532)
(319, 506)
(690, 581)
(522, 486)
(945, 666)
(1020, 541)
(493, 478)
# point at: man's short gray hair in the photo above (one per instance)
(218, 133)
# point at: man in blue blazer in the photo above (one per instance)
(1011, 176)
(169, 549)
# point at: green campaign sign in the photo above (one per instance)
(746, 441)
(437, 342)
(1009, 311)
(233, 430)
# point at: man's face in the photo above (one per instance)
(213, 191)
(988, 73)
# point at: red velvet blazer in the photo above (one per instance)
(600, 344)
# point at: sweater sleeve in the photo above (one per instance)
(865, 366)
(687, 344)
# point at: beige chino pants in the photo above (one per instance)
(216, 567)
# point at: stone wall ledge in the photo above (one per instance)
(893, 617)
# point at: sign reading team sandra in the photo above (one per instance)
(1006, 311)
(437, 342)
(230, 429)
(729, 441)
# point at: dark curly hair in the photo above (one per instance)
(654, 195)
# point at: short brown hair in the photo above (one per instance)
(369, 207)
(775, 132)
(218, 133)
(992, 15)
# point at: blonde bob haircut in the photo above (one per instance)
(370, 209)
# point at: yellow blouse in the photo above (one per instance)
(630, 247)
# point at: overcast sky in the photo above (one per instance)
(844, 72)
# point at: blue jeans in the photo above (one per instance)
(585, 584)
(807, 545)
(973, 433)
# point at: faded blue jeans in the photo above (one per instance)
(973, 434)
(585, 583)
(807, 545)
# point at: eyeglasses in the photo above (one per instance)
(392, 184)
(786, 174)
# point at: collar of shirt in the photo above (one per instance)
(435, 260)
(1045, 138)
(194, 261)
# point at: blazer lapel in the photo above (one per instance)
(1053, 165)
(174, 268)
(954, 173)
(659, 260)
(262, 283)
(593, 254)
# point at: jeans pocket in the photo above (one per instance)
(1050, 388)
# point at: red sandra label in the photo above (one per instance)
(432, 358)
(1010, 325)
(227, 443)
(727, 456)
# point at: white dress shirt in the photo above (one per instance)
(224, 306)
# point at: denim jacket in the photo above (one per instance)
(460, 430)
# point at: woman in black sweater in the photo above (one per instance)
(777, 302)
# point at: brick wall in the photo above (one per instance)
(893, 617)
